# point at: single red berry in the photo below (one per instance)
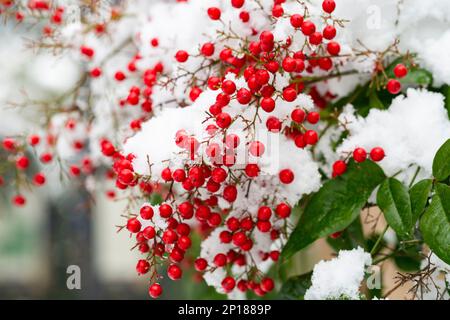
(200, 264)
(223, 120)
(296, 20)
(377, 154)
(207, 49)
(315, 38)
(174, 272)
(243, 96)
(267, 104)
(39, 179)
(308, 28)
(359, 154)
(220, 260)
(394, 86)
(333, 48)
(181, 56)
(252, 170)
(267, 284)
(155, 290)
(22, 162)
(266, 37)
(298, 115)
(289, 64)
(228, 284)
(237, 3)
(134, 225)
(400, 70)
(289, 94)
(286, 176)
(119, 76)
(19, 200)
(142, 267)
(329, 32)
(277, 11)
(313, 117)
(214, 13)
(339, 167)
(230, 193)
(311, 137)
(283, 210)
(149, 232)
(264, 213)
(328, 6)
(165, 210)
(256, 148)
(34, 140)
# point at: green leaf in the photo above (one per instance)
(441, 162)
(393, 200)
(435, 223)
(295, 287)
(335, 206)
(419, 196)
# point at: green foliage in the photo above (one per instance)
(336, 205)
(393, 199)
(435, 223)
(419, 197)
(295, 287)
(441, 162)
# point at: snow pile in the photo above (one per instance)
(410, 132)
(339, 278)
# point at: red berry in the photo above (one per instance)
(393, 86)
(142, 267)
(289, 94)
(133, 225)
(214, 13)
(339, 167)
(286, 176)
(328, 6)
(220, 260)
(166, 174)
(252, 170)
(34, 140)
(174, 272)
(359, 154)
(237, 3)
(313, 117)
(228, 87)
(207, 49)
(230, 193)
(315, 38)
(298, 115)
(277, 11)
(400, 70)
(39, 179)
(119, 76)
(296, 20)
(333, 48)
(19, 200)
(289, 64)
(266, 37)
(311, 137)
(377, 154)
(149, 232)
(22, 163)
(223, 120)
(200, 264)
(155, 290)
(283, 210)
(267, 104)
(308, 28)
(257, 148)
(243, 96)
(165, 210)
(263, 226)
(264, 213)
(181, 56)
(228, 284)
(267, 284)
(329, 32)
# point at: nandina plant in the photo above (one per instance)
(242, 131)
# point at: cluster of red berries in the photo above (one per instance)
(359, 155)
(393, 85)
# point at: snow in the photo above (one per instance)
(410, 132)
(340, 277)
